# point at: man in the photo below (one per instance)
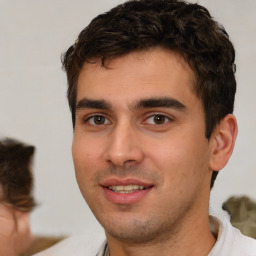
(151, 89)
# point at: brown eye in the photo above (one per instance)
(159, 119)
(98, 120)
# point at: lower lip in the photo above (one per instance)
(125, 198)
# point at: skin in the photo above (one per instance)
(139, 122)
(15, 234)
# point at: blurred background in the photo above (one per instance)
(34, 109)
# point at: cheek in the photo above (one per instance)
(180, 157)
(83, 154)
(86, 162)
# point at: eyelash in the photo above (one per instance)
(157, 115)
(152, 117)
(93, 117)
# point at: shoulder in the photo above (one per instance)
(76, 246)
(243, 245)
(232, 242)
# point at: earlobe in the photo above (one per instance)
(223, 141)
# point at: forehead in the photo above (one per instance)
(153, 73)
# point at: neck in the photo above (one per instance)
(189, 240)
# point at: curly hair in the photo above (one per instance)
(177, 25)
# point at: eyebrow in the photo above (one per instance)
(165, 102)
(89, 103)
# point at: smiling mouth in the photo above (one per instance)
(126, 189)
(125, 192)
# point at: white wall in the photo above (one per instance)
(33, 106)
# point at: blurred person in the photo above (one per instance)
(16, 200)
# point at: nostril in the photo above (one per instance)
(128, 163)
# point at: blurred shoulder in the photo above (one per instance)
(76, 246)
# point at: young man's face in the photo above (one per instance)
(140, 153)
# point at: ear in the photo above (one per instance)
(223, 141)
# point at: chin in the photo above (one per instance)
(135, 231)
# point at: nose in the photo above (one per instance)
(123, 148)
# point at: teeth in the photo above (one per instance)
(125, 189)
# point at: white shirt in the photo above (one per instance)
(230, 242)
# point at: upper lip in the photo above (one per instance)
(125, 182)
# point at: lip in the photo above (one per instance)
(125, 198)
(124, 182)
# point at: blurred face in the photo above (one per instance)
(15, 234)
(140, 153)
